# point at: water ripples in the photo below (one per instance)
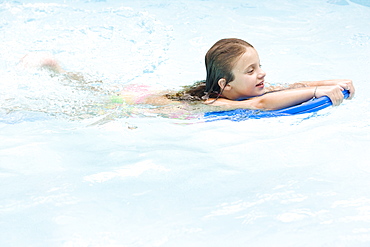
(111, 46)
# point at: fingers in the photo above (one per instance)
(348, 85)
(336, 96)
(351, 91)
(340, 98)
(334, 92)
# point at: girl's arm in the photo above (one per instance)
(344, 83)
(283, 99)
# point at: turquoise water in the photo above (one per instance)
(75, 172)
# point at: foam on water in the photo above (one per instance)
(77, 172)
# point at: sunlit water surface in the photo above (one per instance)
(79, 170)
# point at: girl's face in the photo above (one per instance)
(248, 76)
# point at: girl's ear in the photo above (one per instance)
(223, 85)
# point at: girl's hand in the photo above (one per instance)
(348, 85)
(344, 83)
(333, 92)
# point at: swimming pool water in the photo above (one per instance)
(76, 171)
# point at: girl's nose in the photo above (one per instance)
(261, 73)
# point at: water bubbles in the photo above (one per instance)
(109, 45)
(360, 39)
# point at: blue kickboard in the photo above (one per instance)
(310, 106)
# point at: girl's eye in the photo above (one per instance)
(250, 71)
(260, 65)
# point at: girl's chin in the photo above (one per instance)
(260, 91)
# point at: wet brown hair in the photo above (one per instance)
(219, 61)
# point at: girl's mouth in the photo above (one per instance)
(261, 84)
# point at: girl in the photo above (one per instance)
(234, 80)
